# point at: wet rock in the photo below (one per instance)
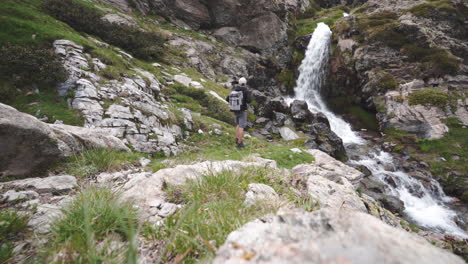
(300, 111)
(327, 236)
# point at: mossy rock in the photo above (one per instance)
(429, 97)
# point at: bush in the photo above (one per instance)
(435, 61)
(23, 66)
(143, 45)
(386, 81)
(97, 227)
(440, 8)
(429, 97)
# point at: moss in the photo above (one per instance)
(288, 79)
(436, 8)
(385, 81)
(379, 103)
(429, 97)
(435, 61)
(327, 16)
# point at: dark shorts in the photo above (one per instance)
(241, 118)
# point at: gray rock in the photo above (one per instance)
(183, 80)
(13, 196)
(167, 209)
(260, 193)
(229, 35)
(51, 184)
(120, 19)
(287, 134)
(327, 236)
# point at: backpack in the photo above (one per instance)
(236, 98)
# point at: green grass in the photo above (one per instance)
(20, 20)
(328, 16)
(91, 162)
(213, 209)
(50, 104)
(95, 220)
(12, 225)
(429, 97)
(437, 8)
(222, 147)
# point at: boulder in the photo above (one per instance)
(193, 12)
(183, 80)
(264, 32)
(52, 184)
(28, 146)
(230, 35)
(300, 111)
(327, 236)
(288, 134)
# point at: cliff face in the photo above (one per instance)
(407, 61)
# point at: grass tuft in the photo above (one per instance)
(429, 97)
(12, 225)
(97, 227)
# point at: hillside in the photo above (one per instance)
(118, 145)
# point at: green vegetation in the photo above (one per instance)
(327, 16)
(199, 101)
(97, 227)
(214, 207)
(452, 147)
(49, 104)
(12, 225)
(288, 79)
(437, 8)
(143, 45)
(386, 81)
(310, 11)
(429, 97)
(91, 162)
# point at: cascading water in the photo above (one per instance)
(422, 205)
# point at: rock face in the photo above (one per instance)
(384, 74)
(134, 114)
(30, 146)
(327, 236)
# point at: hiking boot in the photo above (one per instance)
(236, 141)
(241, 145)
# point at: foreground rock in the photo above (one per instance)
(327, 236)
(29, 146)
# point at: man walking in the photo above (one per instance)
(238, 100)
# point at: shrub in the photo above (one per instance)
(438, 8)
(435, 61)
(429, 97)
(24, 66)
(144, 45)
(96, 227)
(386, 81)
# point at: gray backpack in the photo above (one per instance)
(236, 100)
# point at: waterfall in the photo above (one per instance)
(423, 206)
(312, 76)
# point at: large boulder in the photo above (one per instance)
(29, 146)
(327, 236)
(300, 111)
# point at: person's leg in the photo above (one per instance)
(237, 134)
(242, 125)
(240, 137)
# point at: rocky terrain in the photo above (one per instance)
(117, 144)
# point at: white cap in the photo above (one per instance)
(242, 81)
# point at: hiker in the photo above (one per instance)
(238, 100)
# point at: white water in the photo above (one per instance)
(428, 210)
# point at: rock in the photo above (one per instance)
(263, 33)
(167, 209)
(230, 35)
(120, 19)
(14, 196)
(144, 188)
(300, 111)
(41, 220)
(287, 134)
(218, 132)
(260, 193)
(183, 80)
(296, 150)
(144, 162)
(197, 85)
(392, 203)
(217, 96)
(28, 146)
(329, 168)
(327, 236)
(52, 184)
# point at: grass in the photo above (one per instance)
(222, 147)
(213, 208)
(50, 105)
(97, 227)
(23, 22)
(437, 8)
(328, 16)
(429, 97)
(92, 162)
(12, 225)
